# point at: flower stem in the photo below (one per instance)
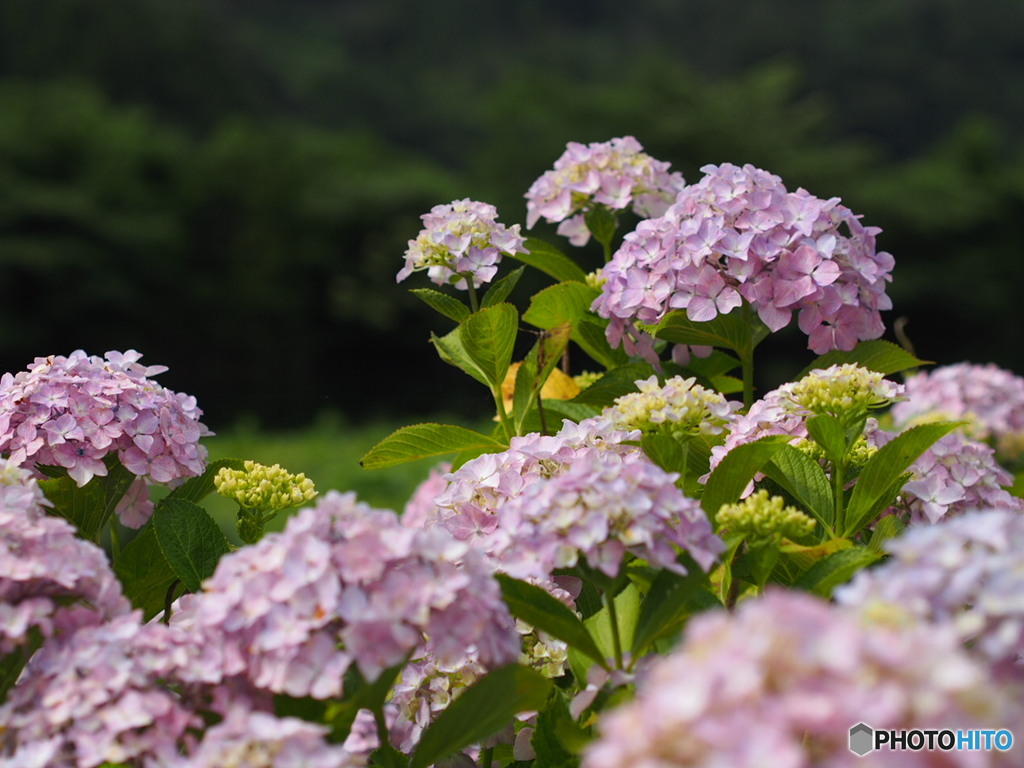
(486, 757)
(613, 616)
(474, 303)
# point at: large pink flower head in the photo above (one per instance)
(782, 681)
(989, 398)
(73, 411)
(964, 571)
(739, 234)
(343, 584)
(615, 174)
(460, 241)
(51, 580)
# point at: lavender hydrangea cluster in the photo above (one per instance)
(615, 174)
(965, 571)
(989, 398)
(51, 581)
(786, 676)
(738, 234)
(344, 584)
(74, 411)
(461, 242)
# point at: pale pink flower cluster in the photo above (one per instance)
(343, 584)
(50, 580)
(989, 398)
(678, 407)
(73, 411)
(964, 571)
(955, 475)
(548, 499)
(615, 174)
(738, 234)
(460, 241)
(782, 680)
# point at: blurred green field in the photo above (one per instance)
(328, 452)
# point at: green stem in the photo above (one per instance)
(382, 727)
(115, 541)
(838, 481)
(486, 757)
(499, 403)
(613, 616)
(474, 303)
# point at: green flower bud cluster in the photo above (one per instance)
(263, 488)
(763, 516)
(860, 452)
(679, 408)
(843, 389)
(585, 379)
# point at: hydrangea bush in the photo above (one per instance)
(645, 562)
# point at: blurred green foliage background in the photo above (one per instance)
(229, 186)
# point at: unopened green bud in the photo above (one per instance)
(763, 516)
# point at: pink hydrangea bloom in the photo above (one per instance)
(50, 579)
(785, 677)
(615, 174)
(989, 398)
(342, 584)
(74, 411)
(420, 506)
(461, 240)
(739, 234)
(964, 571)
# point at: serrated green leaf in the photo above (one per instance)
(195, 489)
(88, 508)
(488, 338)
(550, 260)
(190, 540)
(447, 305)
(536, 606)
(666, 451)
(739, 331)
(560, 303)
(835, 569)
(567, 409)
(877, 355)
(589, 333)
(420, 441)
(602, 224)
(668, 602)
(452, 351)
(877, 477)
(557, 740)
(144, 573)
(715, 364)
(803, 478)
(736, 470)
(613, 384)
(887, 528)
(500, 291)
(827, 431)
(537, 367)
(482, 710)
(627, 609)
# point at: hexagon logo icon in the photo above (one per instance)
(862, 739)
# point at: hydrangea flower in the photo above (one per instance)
(460, 241)
(50, 579)
(343, 584)
(966, 571)
(677, 407)
(989, 398)
(74, 411)
(615, 174)
(786, 676)
(738, 234)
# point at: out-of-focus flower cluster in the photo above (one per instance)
(51, 581)
(988, 398)
(459, 242)
(615, 174)
(680, 407)
(343, 584)
(736, 235)
(257, 486)
(784, 678)
(73, 411)
(763, 516)
(966, 571)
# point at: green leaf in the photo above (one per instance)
(736, 470)
(877, 477)
(557, 740)
(739, 331)
(669, 601)
(190, 539)
(195, 489)
(550, 260)
(88, 508)
(538, 607)
(878, 355)
(613, 384)
(803, 478)
(627, 609)
(541, 360)
(482, 710)
(560, 303)
(835, 569)
(601, 223)
(488, 338)
(886, 528)
(666, 451)
(144, 573)
(500, 291)
(447, 305)
(420, 441)
(827, 431)
(589, 333)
